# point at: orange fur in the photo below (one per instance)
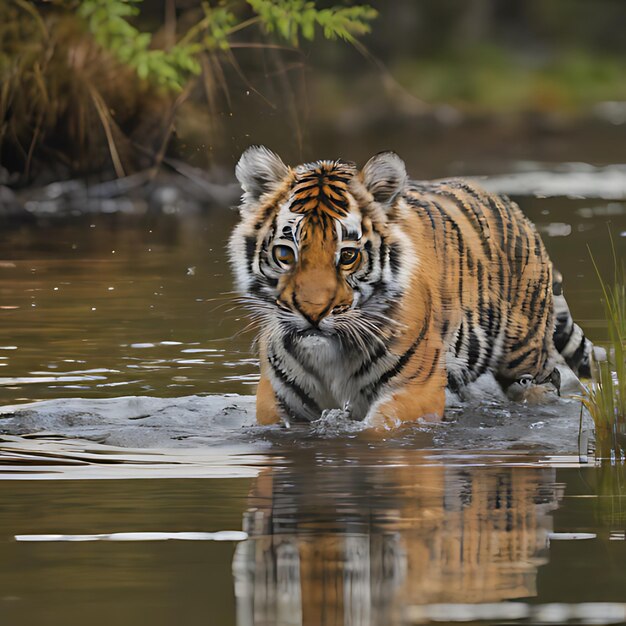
(468, 278)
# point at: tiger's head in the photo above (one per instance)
(318, 249)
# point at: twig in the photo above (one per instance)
(104, 116)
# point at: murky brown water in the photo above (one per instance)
(350, 531)
(103, 307)
(336, 536)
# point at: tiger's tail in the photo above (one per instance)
(569, 338)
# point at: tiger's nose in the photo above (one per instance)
(313, 312)
(314, 297)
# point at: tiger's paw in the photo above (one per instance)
(528, 390)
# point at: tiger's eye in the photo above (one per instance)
(284, 255)
(349, 257)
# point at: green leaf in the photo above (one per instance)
(292, 18)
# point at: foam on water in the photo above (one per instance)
(220, 535)
(484, 421)
(549, 613)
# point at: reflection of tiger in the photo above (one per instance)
(321, 551)
(374, 292)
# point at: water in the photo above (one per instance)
(102, 307)
(336, 535)
(490, 518)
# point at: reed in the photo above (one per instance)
(605, 396)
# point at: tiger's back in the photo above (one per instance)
(496, 283)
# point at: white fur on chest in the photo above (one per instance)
(338, 384)
(331, 366)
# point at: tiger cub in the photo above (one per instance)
(374, 292)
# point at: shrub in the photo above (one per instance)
(83, 86)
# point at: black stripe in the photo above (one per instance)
(446, 219)
(526, 250)
(459, 341)
(394, 258)
(291, 349)
(270, 280)
(306, 401)
(431, 371)
(519, 252)
(480, 285)
(379, 352)
(384, 297)
(575, 359)
(323, 176)
(475, 216)
(336, 178)
(538, 245)
(534, 328)
(256, 289)
(562, 336)
(250, 247)
(495, 210)
(266, 213)
(520, 359)
(471, 191)
(455, 382)
(469, 258)
(563, 318)
(473, 351)
(580, 361)
(292, 385)
(488, 313)
(540, 288)
(510, 245)
(403, 360)
(380, 285)
(304, 186)
(421, 204)
(348, 235)
(370, 260)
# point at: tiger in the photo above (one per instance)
(374, 293)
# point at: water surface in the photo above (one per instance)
(421, 526)
(337, 534)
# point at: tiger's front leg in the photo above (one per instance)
(420, 395)
(267, 411)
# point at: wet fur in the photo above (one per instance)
(453, 282)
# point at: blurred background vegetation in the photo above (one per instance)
(105, 88)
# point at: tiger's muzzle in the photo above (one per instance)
(315, 294)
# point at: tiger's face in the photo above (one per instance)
(316, 251)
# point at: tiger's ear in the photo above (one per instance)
(384, 176)
(259, 170)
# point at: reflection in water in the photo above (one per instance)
(417, 534)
